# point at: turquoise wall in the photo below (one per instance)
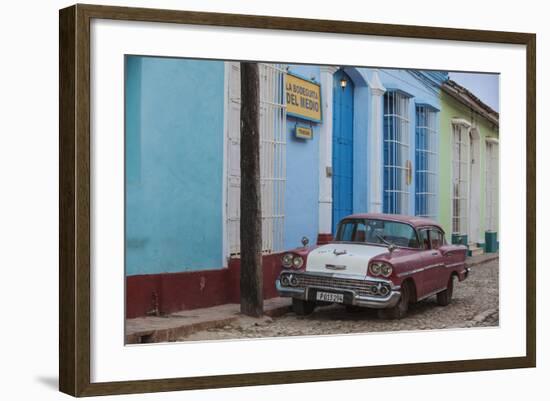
(302, 181)
(174, 164)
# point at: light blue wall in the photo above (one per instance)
(302, 181)
(174, 156)
(419, 86)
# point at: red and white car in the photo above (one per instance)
(381, 261)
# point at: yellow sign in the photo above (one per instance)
(304, 132)
(303, 98)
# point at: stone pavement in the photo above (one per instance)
(153, 329)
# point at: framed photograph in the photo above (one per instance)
(301, 200)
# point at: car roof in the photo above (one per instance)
(415, 221)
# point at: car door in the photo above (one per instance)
(424, 276)
(438, 276)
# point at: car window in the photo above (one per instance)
(360, 233)
(346, 231)
(424, 240)
(377, 232)
(352, 231)
(436, 238)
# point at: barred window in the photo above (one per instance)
(426, 162)
(272, 156)
(396, 148)
(460, 179)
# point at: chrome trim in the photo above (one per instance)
(455, 264)
(335, 267)
(342, 276)
(421, 269)
(289, 291)
(377, 302)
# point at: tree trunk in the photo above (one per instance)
(252, 301)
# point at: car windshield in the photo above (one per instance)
(383, 232)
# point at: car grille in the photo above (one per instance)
(362, 288)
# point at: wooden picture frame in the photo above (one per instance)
(74, 199)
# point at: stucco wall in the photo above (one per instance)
(420, 93)
(302, 181)
(451, 108)
(174, 148)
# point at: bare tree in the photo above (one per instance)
(252, 302)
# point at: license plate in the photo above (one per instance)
(329, 297)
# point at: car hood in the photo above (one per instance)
(342, 258)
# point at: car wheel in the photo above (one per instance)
(400, 309)
(301, 307)
(444, 297)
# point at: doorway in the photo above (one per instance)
(342, 148)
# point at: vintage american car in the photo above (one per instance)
(381, 261)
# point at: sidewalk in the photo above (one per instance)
(154, 329)
(481, 259)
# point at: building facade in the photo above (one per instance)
(469, 169)
(333, 141)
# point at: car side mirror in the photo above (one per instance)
(305, 241)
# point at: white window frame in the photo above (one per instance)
(491, 184)
(431, 154)
(272, 157)
(460, 175)
(400, 141)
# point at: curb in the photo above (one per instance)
(173, 333)
(483, 261)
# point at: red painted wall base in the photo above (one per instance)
(323, 239)
(165, 293)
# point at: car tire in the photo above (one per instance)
(444, 297)
(301, 307)
(400, 309)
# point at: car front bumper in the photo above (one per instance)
(351, 295)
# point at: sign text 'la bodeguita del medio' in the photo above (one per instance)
(303, 98)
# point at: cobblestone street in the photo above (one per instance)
(475, 303)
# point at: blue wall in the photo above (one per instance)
(174, 160)
(174, 148)
(422, 86)
(302, 181)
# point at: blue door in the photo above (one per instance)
(342, 148)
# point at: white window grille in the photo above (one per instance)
(272, 156)
(396, 151)
(460, 178)
(426, 162)
(491, 185)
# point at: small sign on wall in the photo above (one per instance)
(303, 132)
(303, 98)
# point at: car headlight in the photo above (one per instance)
(381, 269)
(287, 260)
(386, 270)
(297, 262)
(375, 269)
